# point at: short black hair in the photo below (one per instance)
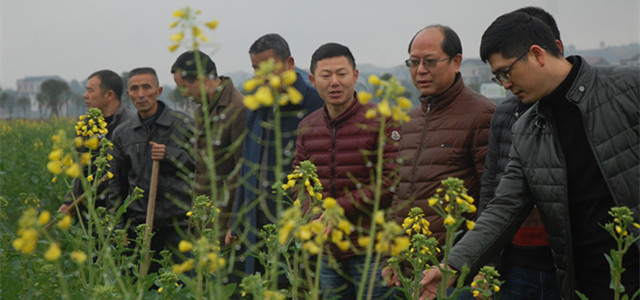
(451, 44)
(144, 70)
(513, 33)
(544, 16)
(109, 80)
(329, 50)
(185, 65)
(271, 41)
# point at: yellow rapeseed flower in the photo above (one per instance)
(294, 95)
(363, 241)
(329, 203)
(178, 13)
(449, 220)
(371, 113)
(433, 201)
(55, 167)
(264, 96)
(404, 103)
(55, 154)
(344, 225)
(379, 217)
(85, 158)
(177, 37)
(53, 252)
(400, 244)
(173, 47)
(470, 224)
(212, 25)
(374, 80)
(251, 102)
(79, 257)
(44, 218)
(160, 290)
(274, 81)
(65, 222)
(174, 24)
(384, 108)
(289, 77)
(92, 143)
(364, 97)
(73, 171)
(251, 84)
(185, 246)
(90, 178)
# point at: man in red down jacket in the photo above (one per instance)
(334, 138)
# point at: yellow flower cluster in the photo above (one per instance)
(60, 162)
(186, 19)
(486, 283)
(450, 210)
(389, 239)
(332, 226)
(393, 103)
(29, 226)
(415, 223)
(207, 254)
(271, 88)
(91, 125)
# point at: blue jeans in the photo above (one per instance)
(343, 282)
(528, 284)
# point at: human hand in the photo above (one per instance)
(431, 279)
(390, 276)
(229, 238)
(158, 151)
(64, 209)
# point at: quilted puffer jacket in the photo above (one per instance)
(608, 98)
(344, 147)
(446, 137)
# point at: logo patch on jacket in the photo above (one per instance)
(395, 135)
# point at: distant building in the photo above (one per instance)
(475, 72)
(30, 87)
(634, 61)
(597, 61)
(494, 92)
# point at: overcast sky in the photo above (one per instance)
(73, 38)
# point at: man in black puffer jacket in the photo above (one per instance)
(526, 264)
(574, 156)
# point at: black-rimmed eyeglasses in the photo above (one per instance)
(501, 77)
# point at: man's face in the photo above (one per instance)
(432, 81)
(263, 56)
(523, 81)
(94, 97)
(335, 79)
(188, 88)
(144, 92)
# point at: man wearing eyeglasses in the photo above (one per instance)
(574, 156)
(447, 134)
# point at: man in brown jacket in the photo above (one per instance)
(448, 133)
(226, 115)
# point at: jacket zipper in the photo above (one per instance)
(333, 161)
(415, 164)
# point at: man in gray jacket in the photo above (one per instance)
(574, 156)
(157, 133)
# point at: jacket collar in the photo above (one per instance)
(445, 98)
(164, 119)
(582, 84)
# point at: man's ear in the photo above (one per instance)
(312, 80)
(539, 53)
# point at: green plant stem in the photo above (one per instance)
(376, 205)
(316, 281)
(278, 179)
(372, 280)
